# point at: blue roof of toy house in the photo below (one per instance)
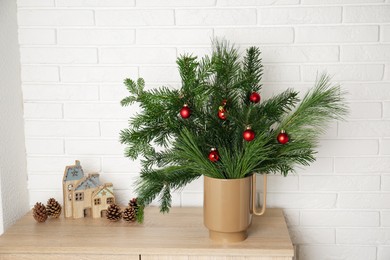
(92, 181)
(74, 173)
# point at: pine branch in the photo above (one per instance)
(184, 144)
(188, 150)
(320, 105)
(240, 162)
(287, 157)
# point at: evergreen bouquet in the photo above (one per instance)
(217, 125)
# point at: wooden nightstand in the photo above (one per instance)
(177, 235)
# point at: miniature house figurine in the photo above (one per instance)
(84, 195)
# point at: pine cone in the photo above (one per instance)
(114, 212)
(129, 214)
(53, 208)
(133, 203)
(39, 212)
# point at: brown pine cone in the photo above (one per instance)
(53, 208)
(129, 214)
(133, 203)
(39, 212)
(114, 212)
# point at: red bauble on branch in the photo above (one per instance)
(283, 137)
(185, 111)
(255, 97)
(213, 155)
(222, 113)
(248, 134)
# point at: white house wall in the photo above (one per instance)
(13, 177)
(76, 54)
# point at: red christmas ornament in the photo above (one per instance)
(222, 113)
(185, 111)
(214, 155)
(282, 137)
(255, 97)
(248, 134)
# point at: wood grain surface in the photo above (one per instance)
(177, 235)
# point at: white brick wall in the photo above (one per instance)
(75, 55)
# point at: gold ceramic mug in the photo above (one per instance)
(228, 206)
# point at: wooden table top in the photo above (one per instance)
(181, 232)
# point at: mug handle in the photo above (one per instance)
(254, 209)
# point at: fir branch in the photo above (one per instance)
(252, 70)
(277, 106)
(131, 86)
(147, 191)
(128, 101)
(160, 182)
(184, 144)
(140, 85)
(226, 65)
(135, 88)
(140, 215)
(205, 70)
(166, 199)
(187, 65)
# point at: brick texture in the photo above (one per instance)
(75, 55)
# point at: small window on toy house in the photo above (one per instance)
(110, 200)
(70, 196)
(97, 201)
(70, 187)
(79, 196)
